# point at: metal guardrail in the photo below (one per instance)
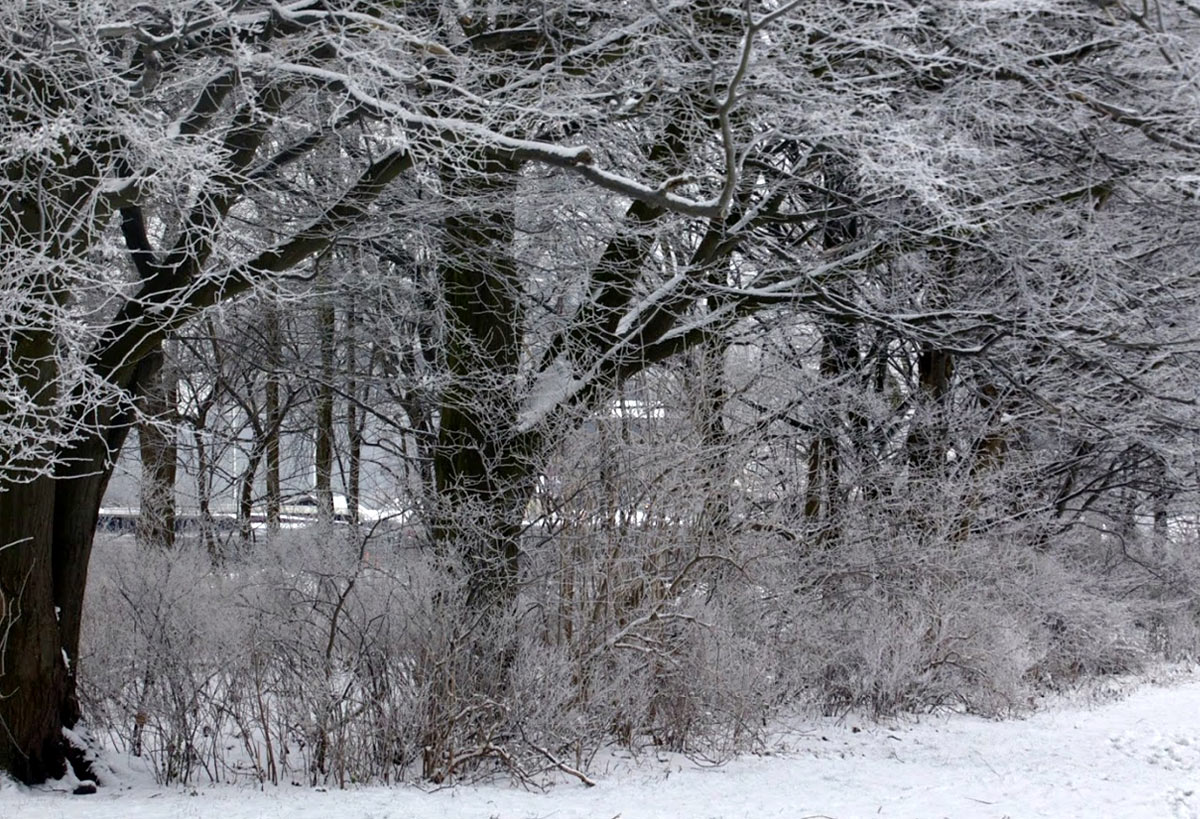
(125, 521)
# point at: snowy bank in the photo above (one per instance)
(1094, 756)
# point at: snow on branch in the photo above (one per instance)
(577, 159)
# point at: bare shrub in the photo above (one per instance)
(301, 662)
(295, 663)
(898, 620)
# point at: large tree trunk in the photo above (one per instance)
(47, 525)
(482, 471)
(839, 362)
(77, 506)
(481, 465)
(47, 528)
(33, 675)
(53, 219)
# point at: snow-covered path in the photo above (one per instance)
(1137, 757)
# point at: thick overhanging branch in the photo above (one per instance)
(133, 228)
(163, 283)
(208, 103)
(157, 311)
(302, 146)
(439, 132)
(582, 164)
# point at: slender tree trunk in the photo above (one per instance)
(159, 452)
(245, 512)
(354, 430)
(992, 447)
(988, 456)
(204, 488)
(274, 419)
(716, 445)
(1160, 499)
(838, 366)
(325, 431)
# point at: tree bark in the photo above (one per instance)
(716, 517)
(840, 358)
(482, 466)
(354, 426)
(245, 511)
(927, 442)
(33, 675)
(274, 420)
(159, 450)
(324, 433)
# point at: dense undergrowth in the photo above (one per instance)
(309, 660)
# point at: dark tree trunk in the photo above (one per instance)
(1161, 492)
(159, 450)
(839, 363)
(274, 416)
(204, 476)
(482, 466)
(245, 511)
(354, 428)
(77, 506)
(324, 435)
(840, 358)
(33, 683)
(79, 487)
(46, 531)
(928, 441)
(716, 445)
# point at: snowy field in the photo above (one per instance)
(1118, 751)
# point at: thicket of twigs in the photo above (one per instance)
(307, 660)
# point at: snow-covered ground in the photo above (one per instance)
(1116, 752)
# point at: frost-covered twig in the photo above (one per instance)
(559, 764)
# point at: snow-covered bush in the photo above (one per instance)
(293, 663)
(306, 661)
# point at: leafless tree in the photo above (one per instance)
(586, 191)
